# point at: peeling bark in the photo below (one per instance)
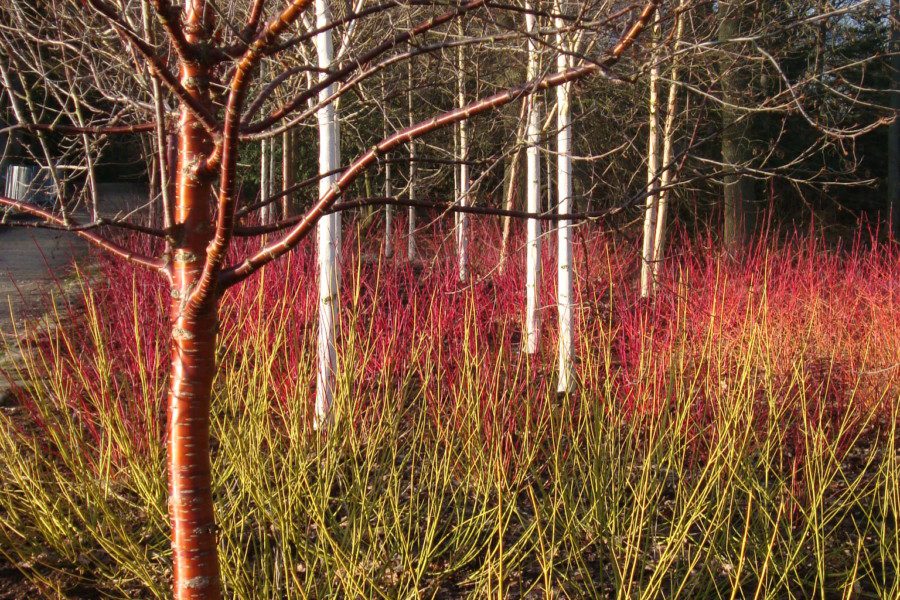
(195, 558)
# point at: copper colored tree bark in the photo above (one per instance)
(195, 560)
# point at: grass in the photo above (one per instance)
(736, 438)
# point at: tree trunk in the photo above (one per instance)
(287, 173)
(737, 150)
(652, 200)
(196, 566)
(512, 184)
(462, 238)
(893, 208)
(564, 228)
(328, 229)
(411, 251)
(264, 181)
(668, 169)
(533, 193)
(388, 187)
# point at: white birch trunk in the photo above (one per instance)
(388, 214)
(893, 207)
(328, 230)
(411, 232)
(533, 199)
(273, 184)
(668, 173)
(462, 240)
(652, 200)
(564, 228)
(264, 181)
(388, 185)
(287, 174)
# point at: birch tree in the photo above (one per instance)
(411, 252)
(668, 174)
(329, 226)
(893, 204)
(533, 194)
(564, 190)
(653, 173)
(388, 183)
(462, 234)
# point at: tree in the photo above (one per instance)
(564, 191)
(329, 228)
(653, 166)
(217, 68)
(737, 149)
(894, 129)
(462, 233)
(533, 193)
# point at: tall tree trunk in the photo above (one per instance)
(328, 230)
(737, 150)
(264, 181)
(652, 200)
(411, 251)
(388, 213)
(668, 174)
(533, 195)
(894, 131)
(388, 185)
(564, 228)
(287, 173)
(462, 237)
(196, 566)
(512, 185)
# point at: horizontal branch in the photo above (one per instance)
(76, 130)
(97, 241)
(98, 223)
